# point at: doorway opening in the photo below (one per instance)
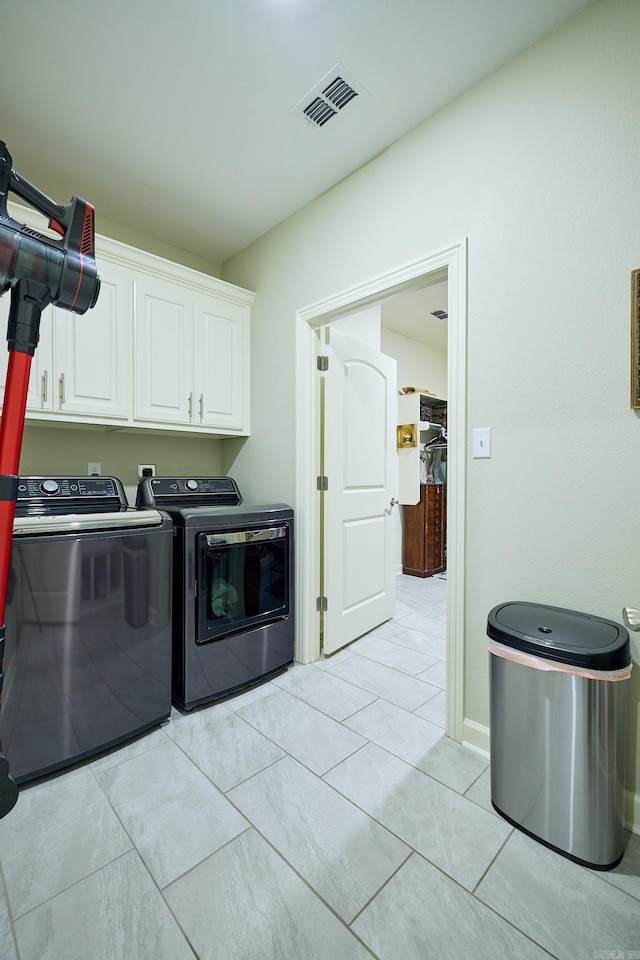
(451, 263)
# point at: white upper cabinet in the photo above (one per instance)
(222, 364)
(164, 332)
(192, 355)
(165, 348)
(82, 366)
(44, 347)
(81, 369)
(95, 379)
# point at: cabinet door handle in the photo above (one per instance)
(190, 407)
(61, 389)
(44, 387)
(201, 407)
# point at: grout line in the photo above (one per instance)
(5, 893)
(316, 894)
(412, 853)
(75, 883)
(194, 866)
(492, 861)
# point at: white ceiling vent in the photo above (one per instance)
(333, 96)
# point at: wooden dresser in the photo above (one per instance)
(425, 532)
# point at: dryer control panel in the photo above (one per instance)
(193, 491)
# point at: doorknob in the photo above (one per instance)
(393, 502)
(631, 617)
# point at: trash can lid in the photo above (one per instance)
(562, 635)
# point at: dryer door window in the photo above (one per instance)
(243, 579)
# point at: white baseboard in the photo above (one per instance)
(476, 738)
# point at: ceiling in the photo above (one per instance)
(175, 118)
(410, 314)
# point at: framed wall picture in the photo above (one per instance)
(635, 339)
(407, 435)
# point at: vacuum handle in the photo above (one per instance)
(73, 221)
(67, 267)
(57, 213)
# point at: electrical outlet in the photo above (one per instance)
(94, 469)
(146, 466)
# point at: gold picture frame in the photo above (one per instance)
(407, 435)
(635, 339)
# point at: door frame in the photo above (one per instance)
(309, 319)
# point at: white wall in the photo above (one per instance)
(419, 365)
(53, 448)
(538, 167)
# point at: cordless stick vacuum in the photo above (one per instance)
(39, 271)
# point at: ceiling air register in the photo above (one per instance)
(329, 97)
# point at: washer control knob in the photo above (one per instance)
(191, 485)
(49, 486)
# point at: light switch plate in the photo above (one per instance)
(481, 442)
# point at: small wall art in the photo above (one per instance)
(635, 339)
(407, 435)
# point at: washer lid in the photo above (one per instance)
(562, 635)
(77, 523)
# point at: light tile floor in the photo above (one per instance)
(321, 816)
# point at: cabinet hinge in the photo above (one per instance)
(323, 363)
(321, 604)
(322, 483)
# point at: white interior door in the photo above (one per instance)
(360, 464)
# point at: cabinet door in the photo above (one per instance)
(42, 390)
(41, 380)
(221, 358)
(164, 390)
(92, 352)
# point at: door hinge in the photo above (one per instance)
(322, 483)
(323, 363)
(321, 604)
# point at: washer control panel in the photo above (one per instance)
(58, 494)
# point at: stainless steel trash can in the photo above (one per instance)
(558, 693)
